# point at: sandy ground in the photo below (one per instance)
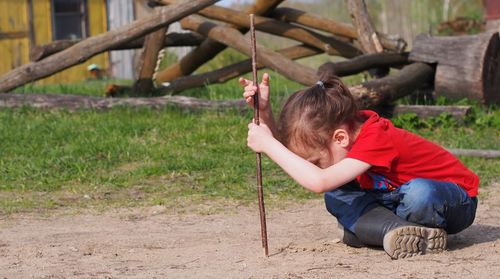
(303, 241)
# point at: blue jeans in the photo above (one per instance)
(426, 202)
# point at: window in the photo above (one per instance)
(69, 19)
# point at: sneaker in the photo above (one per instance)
(408, 241)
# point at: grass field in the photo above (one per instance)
(134, 157)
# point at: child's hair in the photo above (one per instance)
(310, 116)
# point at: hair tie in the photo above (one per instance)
(321, 84)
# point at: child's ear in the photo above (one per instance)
(341, 137)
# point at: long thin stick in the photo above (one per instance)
(263, 229)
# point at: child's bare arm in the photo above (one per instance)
(304, 172)
(265, 112)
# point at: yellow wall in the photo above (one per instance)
(42, 22)
(14, 52)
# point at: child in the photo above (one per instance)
(386, 186)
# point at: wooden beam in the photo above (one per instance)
(233, 38)
(171, 40)
(89, 47)
(367, 36)
(364, 62)
(329, 44)
(14, 35)
(209, 48)
(232, 71)
(147, 62)
(287, 14)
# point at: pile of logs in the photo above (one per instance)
(456, 67)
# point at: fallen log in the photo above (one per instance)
(457, 112)
(171, 40)
(364, 62)
(329, 44)
(467, 66)
(232, 71)
(209, 48)
(393, 87)
(287, 14)
(78, 102)
(234, 39)
(488, 154)
(89, 47)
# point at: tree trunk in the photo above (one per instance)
(236, 40)
(330, 45)
(467, 66)
(87, 48)
(209, 48)
(171, 40)
(232, 71)
(77, 102)
(362, 63)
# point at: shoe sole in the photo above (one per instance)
(409, 241)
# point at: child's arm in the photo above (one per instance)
(304, 172)
(265, 112)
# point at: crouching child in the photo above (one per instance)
(386, 186)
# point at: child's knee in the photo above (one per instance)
(419, 192)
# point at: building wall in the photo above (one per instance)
(14, 34)
(121, 12)
(18, 49)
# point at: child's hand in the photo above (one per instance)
(258, 136)
(250, 90)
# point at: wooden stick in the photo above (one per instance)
(262, 210)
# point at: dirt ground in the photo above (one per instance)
(303, 241)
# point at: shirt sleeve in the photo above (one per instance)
(375, 147)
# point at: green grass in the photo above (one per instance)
(136, 157)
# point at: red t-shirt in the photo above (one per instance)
(398, 156)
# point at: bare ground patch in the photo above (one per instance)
(153, 242)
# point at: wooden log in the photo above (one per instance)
(364, 62)
(329, 44)
(209, 48)
(147, 62)
(367, 36)
(467, 66)
(171, 40)
(78, 102)
(488, 154)
(287, 14)
(393, 87)
(232, 71)
(89, 47)
(233, 38)
(457, 112)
